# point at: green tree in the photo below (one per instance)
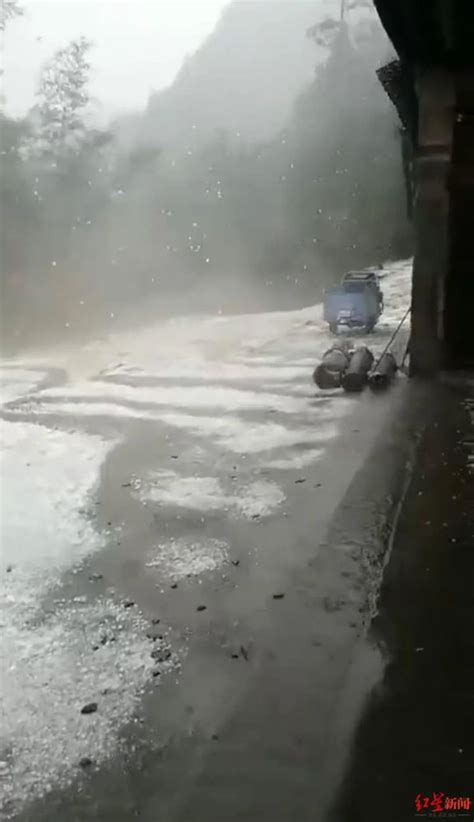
(63, 99)
(347, 193)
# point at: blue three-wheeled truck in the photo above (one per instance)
(356, 303)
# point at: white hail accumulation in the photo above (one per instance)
(235, 373)
(180, 558)
(50, 669)
(257, 499)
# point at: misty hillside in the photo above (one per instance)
(245, 76)
(172, 202)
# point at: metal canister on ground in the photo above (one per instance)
(383, 373)
(356, 376)
(335, 362)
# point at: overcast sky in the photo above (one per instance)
(139, 45)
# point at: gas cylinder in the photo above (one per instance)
(356, 376)
(335, 361)
(383, 373)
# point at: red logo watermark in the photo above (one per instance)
(443, 805)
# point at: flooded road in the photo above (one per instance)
(192, 540)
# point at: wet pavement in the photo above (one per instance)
(413, 748)
(304, 696)
(257, 723)
(217, 592)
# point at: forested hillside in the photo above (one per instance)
(244, 78)
(243, 172)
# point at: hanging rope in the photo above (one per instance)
(393, 337)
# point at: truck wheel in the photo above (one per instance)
(333, 328)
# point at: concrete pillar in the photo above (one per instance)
(436, 104)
